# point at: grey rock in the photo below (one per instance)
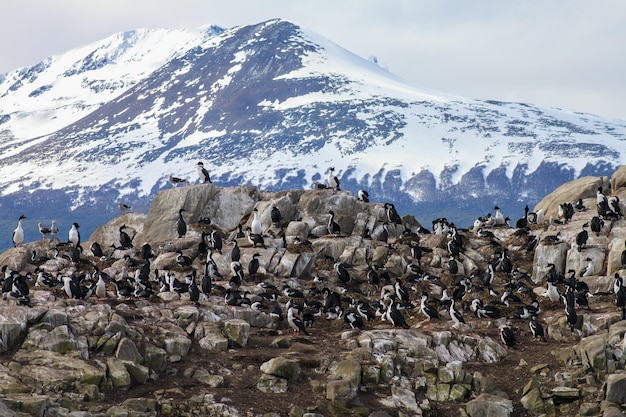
(155, 358)
(237, 332)
(118, 374)
(282, 367)
(138, 373)
(616, 388)
(177, 346)
(127, 351)
(271, 384)
(348, 370)
(13, 326)
(487, 405)
(52, 371)
(532, 401)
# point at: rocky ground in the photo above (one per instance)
(166, 355)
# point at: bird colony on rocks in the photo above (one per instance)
(231, 300)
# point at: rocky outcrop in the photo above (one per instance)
(95, 355)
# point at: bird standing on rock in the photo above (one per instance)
(125, 240)
(74, 234)
(332, 226)
(203, 173)
(18, 233)
(176, 180)
(45, 231)
(256, 227)
(582, 237)
(333, 181)
(181, 225)
(276, 216)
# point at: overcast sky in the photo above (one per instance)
(567, 54)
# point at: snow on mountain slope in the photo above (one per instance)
(276, 105)
(56, 92)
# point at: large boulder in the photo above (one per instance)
(569, 192)
(224, 206)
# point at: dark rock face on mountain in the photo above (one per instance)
(145, 335)
(274, 106)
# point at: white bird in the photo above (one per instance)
(18, 233)
(256, 226)
(333, 181)
(552, 293)
(101, 287)
(74, 235)
(499, 217)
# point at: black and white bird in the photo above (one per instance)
(253, 266)
(96, 250)
(536, 329)
(363, 196)
(255, 240)
(392, 214)
(570, 310)
(588, 269)
(54, 229)
(426, 309)
(354, 320)
(146, 251)
(203, 173)
(181, 224)
(276, 216)
(125, 240)
(342, 272)
(183, 261)
(507, 336)
(596, 225)
(122, 206)
(333, 181)
(216, 241)
(45, 231)
(498, 217)
(238, 276)
(333, 226)
(582, 237)
(455, 313)
(295, 322)
(194, 291)
(74, 234)
(395, 317)
(235, 253)
(176, 180)
(18, 233)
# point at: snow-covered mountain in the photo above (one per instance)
(274, 105)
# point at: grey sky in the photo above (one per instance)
(567, 54)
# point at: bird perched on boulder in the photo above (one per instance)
(582, 237)
(176, 180)
(276, 216)
(18, 233)
(181, 225)
(74, 234)
(126, 241)
(45, 231)
(333, 181)
(203, 173)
